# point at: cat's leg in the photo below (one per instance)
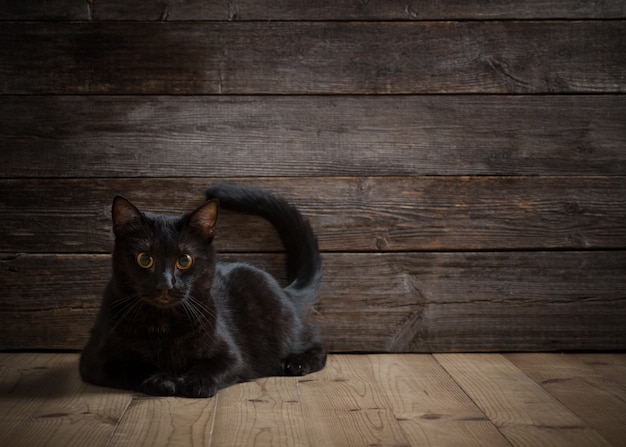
(160, 384)
(204, 381)
(121, 371)
(309, 361)
(140, 376)
(208, 376)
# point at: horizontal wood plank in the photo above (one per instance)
(242, 10)
(439, 149)
(407, 302)
(312, 57)
(348, 214)
(269, 136)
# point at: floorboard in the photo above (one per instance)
(591, 386)
(264, 412)
(347, 406)
(521, 409)
(357, 400)
(157, 422)
(43, 402)
(431, 407)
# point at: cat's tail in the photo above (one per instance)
(304, 264)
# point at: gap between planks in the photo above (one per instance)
(358, 400)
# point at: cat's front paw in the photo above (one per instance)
(160, 384)
(305, 363)
(195, 387)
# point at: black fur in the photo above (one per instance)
(193, 328)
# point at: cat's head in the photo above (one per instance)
(162, 260)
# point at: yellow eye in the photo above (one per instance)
(184, 262)
(144, 260)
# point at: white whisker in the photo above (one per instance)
(126, 309)
(199, 313)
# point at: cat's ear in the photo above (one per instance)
(125, 216)
(203, 220)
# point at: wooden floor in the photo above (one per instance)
(358, 400)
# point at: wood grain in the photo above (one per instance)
(332, 10)
(348, 214)
(264, 412)
(348, 406)
(577, 382)
(462, 162)
(311, 136)
(312, 57)
(407, 302)
(523, 411)
(430, 407)
(45, 403)
(406, 400)
(166, 422)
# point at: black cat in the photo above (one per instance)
(173, 321)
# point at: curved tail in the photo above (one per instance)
(304, 264)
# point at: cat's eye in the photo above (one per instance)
(144, 260)
(184, 262)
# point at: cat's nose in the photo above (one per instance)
(166, 282)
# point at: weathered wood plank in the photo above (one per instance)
(268, 136)
(406, 302)
(469, 302)
(347, 406)
(348, 214)
(173, 10)
(352, 388)
(150, 421)
(266, 412)
(45, 403)
(431, 407)
(312, 57)
(576, 382)
(524, 413)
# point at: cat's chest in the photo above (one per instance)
(167, 351)
(159, 327)
(156, 342)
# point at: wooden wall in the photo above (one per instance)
(463, 162)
